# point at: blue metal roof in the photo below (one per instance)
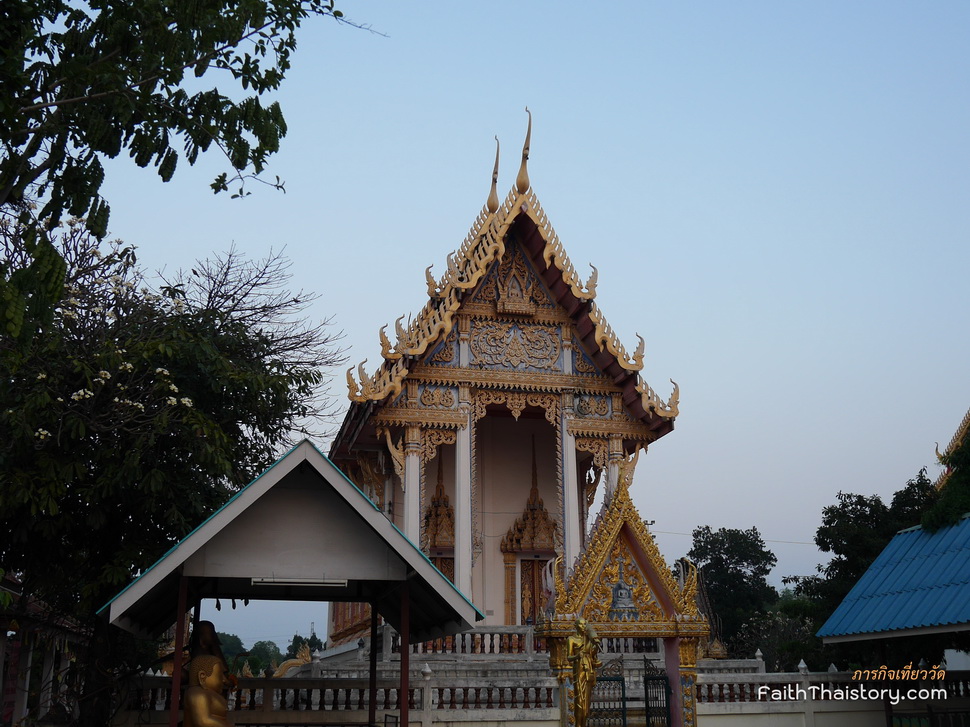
(921, 580)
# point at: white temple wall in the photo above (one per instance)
(504, 463)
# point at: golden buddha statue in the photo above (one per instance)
(204, 705)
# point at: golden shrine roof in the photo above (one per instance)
(958, 438)
(485, 244)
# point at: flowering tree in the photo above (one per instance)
(136, 411)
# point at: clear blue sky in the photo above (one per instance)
(775, 194)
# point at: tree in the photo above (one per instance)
(735, 564)
(136, 412)
(297, 642)
(231, 646)
(264, 655)
(783, 640)
(85, 80)
(855, 530)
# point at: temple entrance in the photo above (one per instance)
(530, 588)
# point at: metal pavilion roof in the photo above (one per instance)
(301, 531)
(919, 584)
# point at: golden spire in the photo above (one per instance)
(492, 204)
(522, 181)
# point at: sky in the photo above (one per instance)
(775, 195)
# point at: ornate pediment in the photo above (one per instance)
(621, 584)
(509, 345)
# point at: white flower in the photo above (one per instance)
(125, 366)
(186, 401)
(41, 376)
(42, 434)
(171, 401)
(104, 375)
(60, 398)
(163, 372)
(174, 388)
(82, 394)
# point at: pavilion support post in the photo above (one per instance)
(176, 700)
(372, 686)
(404, 695)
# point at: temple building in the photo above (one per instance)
(497, 413)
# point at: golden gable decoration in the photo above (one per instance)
(516, 291)
(621, 554)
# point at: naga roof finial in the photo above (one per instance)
(492, 204)
(522, 181)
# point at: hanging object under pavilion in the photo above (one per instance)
(301, 531)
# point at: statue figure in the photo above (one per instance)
(204, 705)
(581, 651)
(205, 642)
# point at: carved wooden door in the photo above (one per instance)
(530, 589)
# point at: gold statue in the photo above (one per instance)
(204, 705)
(582, 648)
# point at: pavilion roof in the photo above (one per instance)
(301, 531)
(919, 584)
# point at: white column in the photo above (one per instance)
(463, 508)
(572, 537)
(613, 467)
(412, 484)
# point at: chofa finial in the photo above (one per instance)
(492, 204)
(522, 181)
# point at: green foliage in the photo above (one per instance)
(264, 655)
(84, 81)
(855, 530)
(297, 642)
(784, 641)
(134, 413)
(735, 565)
(231, 646)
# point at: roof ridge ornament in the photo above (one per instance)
(522, 181)
(492, 204)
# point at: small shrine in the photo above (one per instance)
(621, 587)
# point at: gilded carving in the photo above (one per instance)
(534, 530)
(372, 478)
(434, 438)
(581, 364)
(512, 346)
(593, 406)
(653, 403)
(396, 451)
(593, 577)
(688, 653)
(598, 447)
(446, 354)
(516, 401)
(607, 339)
(438, 397)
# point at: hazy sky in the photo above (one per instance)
(775, 194)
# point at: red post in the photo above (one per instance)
(176, 700)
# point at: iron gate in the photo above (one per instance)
(656, 698)
(608, 703)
